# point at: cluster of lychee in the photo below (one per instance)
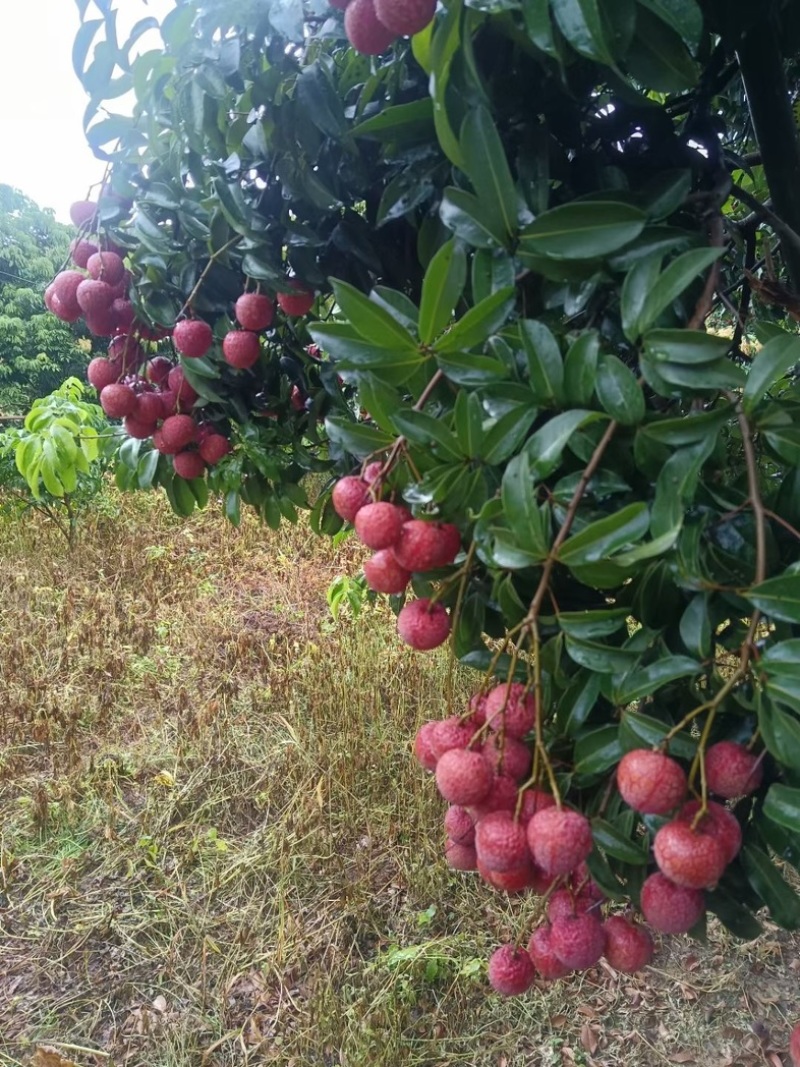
(402, 546)
(373, 25)
(519, 838)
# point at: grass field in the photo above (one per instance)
(215, 848)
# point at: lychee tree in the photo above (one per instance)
(525, 288)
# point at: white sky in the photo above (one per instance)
(43, 151)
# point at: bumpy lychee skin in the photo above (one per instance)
(65, 287)
(670, 908)
(732, 771)
(118, 400)
(502, 796)
(650, 782)
(629, 948)
(540, 949)
(299, 300)
(718, 823)
(254, 311)
(138, 428)
(458, 825)
(463, 777)
(94, 297)
(185, 394)
(511, 970)
(515, 880)
(82, 212)
(511, 708)
(421, 545)
(213, 448)
(500, 842)
(384, 574)
(81, 251)
(148, 407)
(378, 525)
(241, 349)
(450, 733)
(157, 370)
(350, 494)
(107, 267)
(423, 625)
(423, 746)
(559, 839)
(177, 432)
(192, 338)
(794, 1046)
(688, 857)
(563, 902)
(477, 708)
(365, 31)
(405, 17)
(578, 940)
(533, 801)
(461, 857)
(372, 472)
(189, 465)
(102, 372)
(508, 755)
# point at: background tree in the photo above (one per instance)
(505, 238)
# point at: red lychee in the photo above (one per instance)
(650, 782)
(405, 17)
(148, 407)
(378, 525)
(107, 267)
(688, 857)
(502, 796)
(185, 395)
(422, 546)
(670, 908)
(372, 472)
(629, 948)
(508, 755)
(732, 771)
(254, 311)
(157, 370)
(515, 880)
(460, 857)
(565, 902)
(138, 428)
(350, 494)
(500, 842)
(578, 940)
(540, 949)
(118, 400)
(511, 970)
(82, 212)
(423, 746)
(102, 372)
(126, 350)
(794, 1046)
(82, 251)
(463, 777)
(423, 625)
(189, 465)
(100, 323)
(213, 448)
(511, 708)
(534, 800)
(718, 823)
(477, 708)
(124, 314)
(192, 338)
(458, 825)
(65, 287)
(299, 300)
(241, 349)
(450, 733)
(384, 574)
(177, 432)
(559, 839)
(365, 31)
(94, 297)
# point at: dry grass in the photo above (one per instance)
(215, 849)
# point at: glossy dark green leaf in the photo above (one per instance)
(778, 597)
(520, 507)
(644, 731)
(545, 365)
(402, 123)
(658, 57)
(782, 805)
(781, 899)
(490, 271)
(356, 438)
(478, 323)
(602, 622)
(735, 916)
(507, 434)
(578, 701)
(442, 287)
(768, 367)
(636, 288)
(599, 656)
(780, 666)
(546, 446)
(468, 423)
(597, 750)
(424, 429)
(582, 230)
(673, 280)
(617, 844)
(780, 730)
(582, 23)
(485, 163)
(683, 16)
(619, 392)
(604, 537)
(690, 347)
(470, 370)
(580, 369)
(695, 626)
(644, 681)
(374, 323)
(464, 214)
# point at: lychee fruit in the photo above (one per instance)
(450, 733)
(502, 796)
(213, 448)
(118, 400)
(378, 525)
(148, 407)
(688, 857)
(629, 948)
(578, 940)
(540, 950)
(189, 465)
(732, 771)
(718, 823)
(461, 857)
(372, 472)
(533, 801)
(422, 546)
(794, 1046)
(559, 839)
(82, 212)
(185, 395)
(107, 267)
(463, 777)
(670, 908)
(423, 746)
(254, 311)
(102, 372)
(94, 297)
(157, 370)
(138, 428)
(508, 755)
(477, 708)
(405, 17)
(299, 300)
(565, 902)
(384, 574)
(82, 251)
(124, 314)
(365, 31)
(511, 970)
(350, 494)
(514, 880)
(100, 323)
(192, 338)
(65, 287)
(241, 349)
(423, 625)
(500, 842)
(458, 825)
(125, 350)
(511, 708)
(177, 432)
(650, 782)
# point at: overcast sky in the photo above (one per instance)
(43, 151)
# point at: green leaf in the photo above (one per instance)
(479, 322)
(782, 901)
(520, 507)
(548, 443)
(637, 731)
(424, 429)
(471, 370)
(617, 844)
(603, 537)
(768, 367)
(597, 623)
(695, 626)
(464, 214)
(658, 57)
(636, 288)
(673, 280)
(444, 48)
(691, 347)
(580, 368)
(619, 392)
(485, 163)
(146, 469)
(356, 438)
(350, 351)
(683, 16)
(645, 681)
(490, 271)
(372, 321)
(597, 750)
(581, 22)
(545, 365)
(578, 701)
(780, 665)
(401, 122)
(777, 597)
(468, 423)
(507, 434)
(442, 287)
(780, 730)
(782, 805)
(600, 657)
(738, 919)
(582, 230)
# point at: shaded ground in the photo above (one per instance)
(215, 849)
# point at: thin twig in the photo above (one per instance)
(703, 306)
(791, 236)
